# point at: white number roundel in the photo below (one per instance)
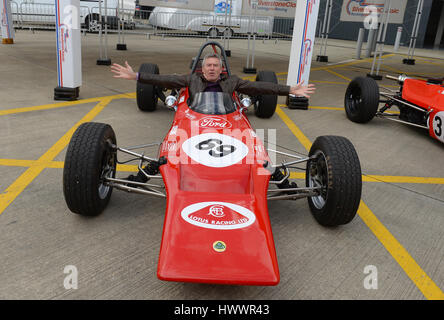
(215, 149)
(438, 125)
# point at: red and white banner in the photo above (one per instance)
(6, 20)
(358, 10)
(69, 62)
(277, 8)
(303, 41)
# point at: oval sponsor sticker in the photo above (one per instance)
(214, 122)
(215, 149)
(218, 215)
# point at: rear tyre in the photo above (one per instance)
(88, 161)
(361, 99)
(265, 105)
(336, 169)
(146, 93)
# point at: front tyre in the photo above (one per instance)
(89, 160)
(336, 170)
(361, 99)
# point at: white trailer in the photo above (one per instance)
(209, 23)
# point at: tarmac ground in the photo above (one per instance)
(396, 236)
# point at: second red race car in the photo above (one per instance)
(217, 180)
(420, 102)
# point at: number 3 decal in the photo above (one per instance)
(438, 125)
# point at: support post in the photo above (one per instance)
(359, 43)
(370, 41)
(322, 57)
(414, 36)
(121, 27)
(301, 52)
(69, 53)
(381, 40)
(251, 69)
(7, 26)
(398, 39)
(103, 60)
(440, 30)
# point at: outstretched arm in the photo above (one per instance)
(165, 81)
(262, 87)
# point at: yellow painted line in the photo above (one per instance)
(342, 109)
(293, 128)
(30, 163)
(350, 63)
(388, 179)
(423, 282)
(12, 192)
(328, 108)
(322, 81)
(55, 164)
(392, 69)
(403, 179)
(432, 63)
(342, 64)
(338, 75)
(329, 82)
(332, 108)
(131, 95)
(422, 58)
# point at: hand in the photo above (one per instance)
(301, 90)
(123, 72)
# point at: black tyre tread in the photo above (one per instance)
(370, 100)
(146, 95)
(80, 174)
(266, 105)
(345, 181)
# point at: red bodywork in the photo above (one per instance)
(216, 228)
(431, 98)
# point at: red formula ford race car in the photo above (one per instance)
(217, 178)
(420, 102)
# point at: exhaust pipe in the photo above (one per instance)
(401, 78)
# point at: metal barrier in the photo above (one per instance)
(39, 15)
(42, 16)
(15, 14)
